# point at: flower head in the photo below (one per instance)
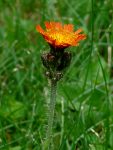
(61, 36)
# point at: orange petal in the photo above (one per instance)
(47, 25)
(68, 27)
(54, 25)
(78, 31)
(39, 29)
(58, 25)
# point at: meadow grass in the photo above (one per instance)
(84, 106)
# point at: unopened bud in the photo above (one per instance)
(48, 60)
(65, 61)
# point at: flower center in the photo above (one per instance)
(60, 36)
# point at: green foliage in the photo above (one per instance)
(83, 113)
(12, 109)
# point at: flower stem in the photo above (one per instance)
(51, 113)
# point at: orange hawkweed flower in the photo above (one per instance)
(61, 36)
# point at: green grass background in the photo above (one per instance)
(84, 107)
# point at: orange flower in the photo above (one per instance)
(59, 36)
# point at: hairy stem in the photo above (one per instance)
(51, 113)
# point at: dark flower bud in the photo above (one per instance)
(48, 60)
(64, 61)
(50, 57)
